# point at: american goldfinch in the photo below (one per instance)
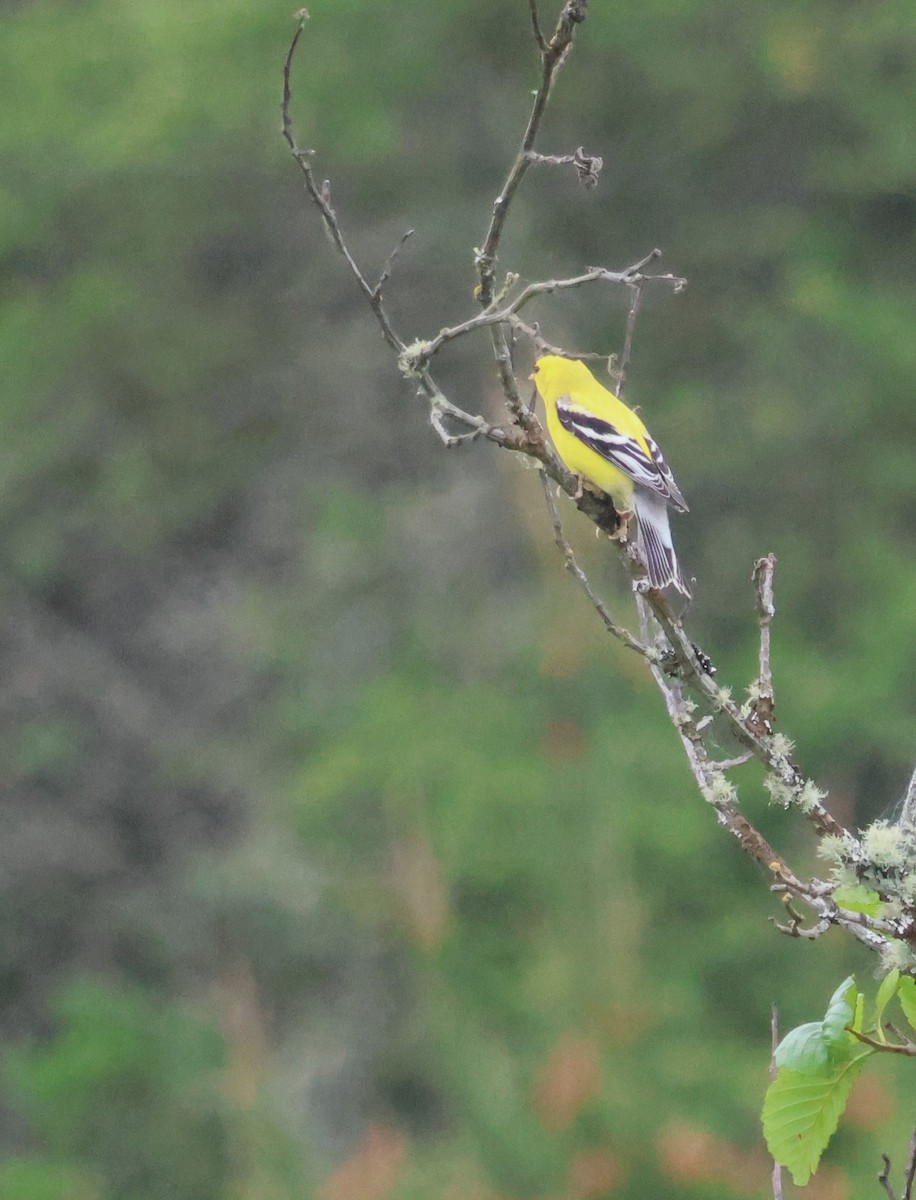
(606, 444)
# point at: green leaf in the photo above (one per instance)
(839, 1014)
(858, 898)
(801, 1113)
(886, 993)
(804, 1050)
(906, 994)
(814, 1048)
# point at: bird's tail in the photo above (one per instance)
(653, 537)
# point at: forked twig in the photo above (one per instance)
(884, 1179)
(536, 26)
(553, 54)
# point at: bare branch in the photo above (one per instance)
(422, 352)
(628, 338)
(763, 707)
(536, 26)
(712, 784)
(908, 812)
(389, 264)
(774, 1042)
(519, 410)
(588, 166)
(553, 55)
(617, 631)
(763, 748)
(907, 1047)
(321, 196)
(727, 764)
(676, 663)
(533, 333)
(910, 1176)
(795, 927)
(884, 1180)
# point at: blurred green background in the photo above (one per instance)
(342, 856)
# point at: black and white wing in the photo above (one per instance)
(622, 451)
(674, 492)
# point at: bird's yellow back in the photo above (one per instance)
(567, 379)
(606, 444)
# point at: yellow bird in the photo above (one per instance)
(606, 444)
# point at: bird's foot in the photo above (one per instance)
(622, 532)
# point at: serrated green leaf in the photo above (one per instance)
(804, 1050)
(906, 994)
(858, 898)
(886, 993)
(801, 1113)
(839, 1014)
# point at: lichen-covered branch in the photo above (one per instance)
(701, 710)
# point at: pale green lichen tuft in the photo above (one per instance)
(810, 796)
(897, 956)
(834, 848)
(782, 746)
(892, 910)
(723, 696)
(720, 791)
(844, 877)
(885, 846)
(780, 793)
(411, 356)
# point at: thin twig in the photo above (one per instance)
(762, 746)
(519, 410)
(906, 1047)
(628, 338)
(536, 26)
(908, 812)
(422, 352)
(884, 1180)
(588, 166)
(389, 264)
(707, 776)
(910, 1176)
(727, 764)
(795, 928)
(774, 1039)
(321, 196)
(616, 630)
(774, 1042)
(542, 346)
(763, 708)
(553, 54)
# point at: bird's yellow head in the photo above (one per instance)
(557, 376)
